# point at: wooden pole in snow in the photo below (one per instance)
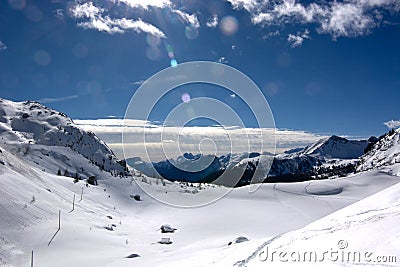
(59, 227)
(32, 259)
(73, 204)
(81, 195)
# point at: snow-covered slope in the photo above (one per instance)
(365, 233)
(51, 141)
(108, 226)
(385, 152)
(329, 192)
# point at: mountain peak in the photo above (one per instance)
(337, 147)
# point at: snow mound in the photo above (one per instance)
(324, 189)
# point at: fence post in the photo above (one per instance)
(59, 227)
(73, 204)
(81, 195)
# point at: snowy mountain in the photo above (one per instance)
(328, 157)
(385, 152)
(189, 167)
(333, 156)
(51, 141)
(336, 147)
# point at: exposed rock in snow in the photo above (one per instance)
(384, 153)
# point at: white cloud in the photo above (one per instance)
(222, 60)
(59, 13)
(101, 24)
(212, 22)
(95, 19)
(298, 39)
(86, 10)
(337, 18)
(244, 139)
(249, 5)
(347, 19)
(185, 17)
(2, 46)
(290, 8)
(262, 18)
(52, 100)
(392, 124)
(138, 26)
(188, 18)
(137, 82)
(146, 4)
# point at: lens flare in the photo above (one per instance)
(185, 97)
(80, 50)
(191, 32)
(153, 53)
(174, 63)
(17, 4)
(33, 13)
(153, 40)
(171, 55)
(169, 49)
(229, 25)
(42, 58)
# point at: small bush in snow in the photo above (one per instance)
(92, 180)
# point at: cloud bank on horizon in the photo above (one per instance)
(218, 140)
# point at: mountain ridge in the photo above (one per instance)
(384, 152)
(334, 155)
(48, 138)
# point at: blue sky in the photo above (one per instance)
(324, 67)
